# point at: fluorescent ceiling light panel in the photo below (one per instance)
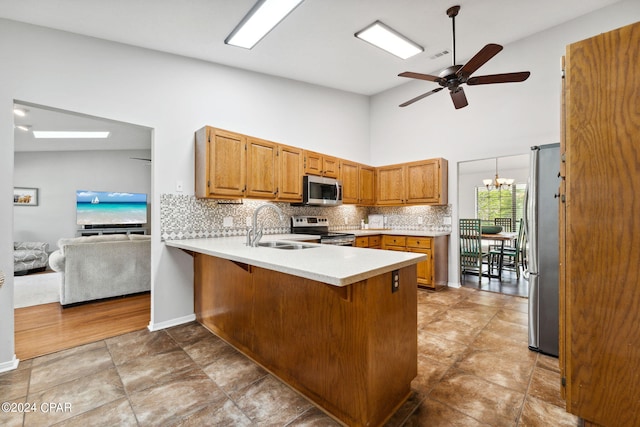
(261, 19)
(386, 38)
(69, 134)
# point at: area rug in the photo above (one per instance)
(35, 289)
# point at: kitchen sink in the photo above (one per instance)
(285, 245)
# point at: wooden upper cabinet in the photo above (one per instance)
(420, 182)
(220, 163)
(426, 182)
(367, 185)
(321, 164)
(262, 168)
(391, 185)
(290, 168)
(358, 183)
(350, 182)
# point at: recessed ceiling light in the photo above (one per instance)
(261, 19)
(386, 38)
(21, 112)
(23, 127)
(69, 134)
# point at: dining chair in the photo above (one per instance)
(472, 257)
(512, 256)
(505, 223)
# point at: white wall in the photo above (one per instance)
(58, 175)
(174, 96)
(501, 120)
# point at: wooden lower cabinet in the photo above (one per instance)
(432, 273)
(373, 242)
(352, 350)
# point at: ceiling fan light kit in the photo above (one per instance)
(455, 76)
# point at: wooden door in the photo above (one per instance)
(226, 163)
(601, 250)
(350, 182)
(367, 185)
(290, 162)
(391, 185)
(262, 177)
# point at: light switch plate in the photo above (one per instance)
(179, 186)
(227, 221)
(446, 220)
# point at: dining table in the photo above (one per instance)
(502, 237)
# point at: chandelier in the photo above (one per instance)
(497, 183)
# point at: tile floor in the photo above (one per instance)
(474, 368)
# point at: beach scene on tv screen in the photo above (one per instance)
(110, 208)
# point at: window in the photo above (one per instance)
(500, 203)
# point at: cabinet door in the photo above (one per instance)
(312, 163)
(362, 242)
(350, 182)
(290, 161)
(367, 180)
(391, 185)
(226, 156)
(423, 182)
(330, 166)
(262, 177)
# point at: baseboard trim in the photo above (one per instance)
(10, 365)
(173, 322)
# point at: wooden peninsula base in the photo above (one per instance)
(352, 350)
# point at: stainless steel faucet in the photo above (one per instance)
(253, 234)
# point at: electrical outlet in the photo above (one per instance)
(227, 221)
(395, 281)
(419, 220)
(249, 221)
(446, 220)
(346, 221)
(179, 186)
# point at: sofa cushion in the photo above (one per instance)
(139, 237)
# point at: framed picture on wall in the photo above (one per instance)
(25, 196)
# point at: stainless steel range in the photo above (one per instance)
(319, 226)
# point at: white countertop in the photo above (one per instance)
(396, 232)
(335, 265)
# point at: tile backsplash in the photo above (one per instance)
(186, 217)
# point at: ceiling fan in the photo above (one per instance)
(454, 76)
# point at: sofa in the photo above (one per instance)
(29, 257)
(98, 267)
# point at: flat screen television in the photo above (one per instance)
(104, 208)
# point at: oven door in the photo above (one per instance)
(338, 241)
(320, 191)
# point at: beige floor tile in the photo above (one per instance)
(81, 395)
(548, 362)
(128, 346)
(64, 369)
(14, 384)
(171, 402)
(545, 385)
(13, 416)
(117, 413)
(432, 413)
(270, 402)
(227, 414)
(479, 398)
(188, 334)
(208, 349)
(537, 413)
(233, 371)
(513, 331)
(439, 349)
(430, 372)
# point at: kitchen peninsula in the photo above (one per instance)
(338, 324)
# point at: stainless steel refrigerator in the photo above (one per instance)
(541, 225)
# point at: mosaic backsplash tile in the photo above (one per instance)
(186, 217)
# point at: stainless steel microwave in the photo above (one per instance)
(321, 191)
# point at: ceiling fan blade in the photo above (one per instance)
(419, 97)
(459, 98)
(480, 58)
(499, 78)
(420, 76)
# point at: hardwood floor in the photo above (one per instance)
(47, 328)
